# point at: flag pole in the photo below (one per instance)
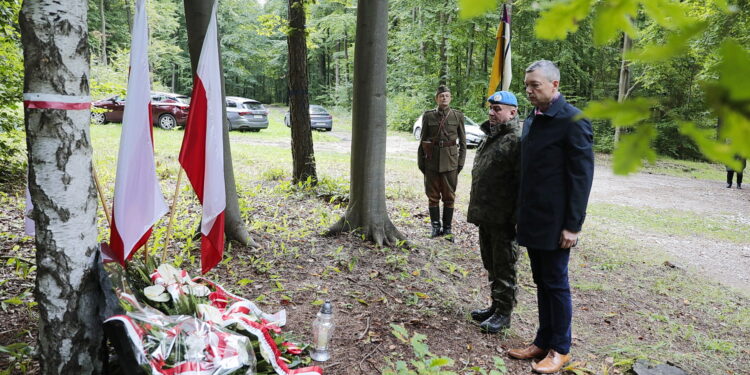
(101, 197)
(171, 216)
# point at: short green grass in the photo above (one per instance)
(678, 168)
(674, 222)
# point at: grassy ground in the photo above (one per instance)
(627, 303)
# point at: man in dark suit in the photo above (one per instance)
(557, 169)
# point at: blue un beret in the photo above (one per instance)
(503, 97)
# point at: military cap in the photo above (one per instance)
(441, 89)
(503, 97)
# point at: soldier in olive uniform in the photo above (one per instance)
(495, 178)
(441, 155)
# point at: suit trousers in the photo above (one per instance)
(550, 272)
(439, 186)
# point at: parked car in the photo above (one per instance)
(246, 114)
(320, 119)
(474, 135)
(167, 110)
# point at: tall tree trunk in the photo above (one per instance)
(197, 16)
(470, 49)
(54, 36)
(336, 64)
(367, 210)
(128, 16)
(104, 32)
(443, 72)
(624, 78)
(303, 155)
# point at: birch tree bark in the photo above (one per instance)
(303, 154)
(56, 61)
(197, 16)
(624, 82)
(367, 211)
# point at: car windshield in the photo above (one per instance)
(183, 99)
(469, 122)
(317, 110)
(255, 106)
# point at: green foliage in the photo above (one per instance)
(561, 18)
(20, 357)
(620, 114)
(633, 148)
(424, 362)
(12, 164)
(473, 8)
(403, 110)
(613, 16)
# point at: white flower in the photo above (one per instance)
(169, 274)
(197, 290)
(210, 314)
(156, 293)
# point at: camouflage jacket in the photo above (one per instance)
(496, 175)
(446, 158)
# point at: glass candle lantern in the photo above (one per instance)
(322, 331)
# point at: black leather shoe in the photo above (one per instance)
(482, 314)
(495, 323)
(729, 185)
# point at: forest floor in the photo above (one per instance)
(662, 271)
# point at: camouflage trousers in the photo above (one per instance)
(499, 255)
(439, 186)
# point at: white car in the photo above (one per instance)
(474, 135)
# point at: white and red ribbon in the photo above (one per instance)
(56, 101)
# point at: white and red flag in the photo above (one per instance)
(202, 153)
(138, 201)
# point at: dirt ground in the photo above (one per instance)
(431, 288)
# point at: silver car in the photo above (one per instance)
(320, 119)
(246, 114)
(474, 135)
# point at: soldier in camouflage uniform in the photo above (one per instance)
(441, 156)
(492, 206)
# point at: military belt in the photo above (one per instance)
(443, 143)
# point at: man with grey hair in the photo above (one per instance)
(557, 170)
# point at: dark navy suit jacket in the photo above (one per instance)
(557, 169)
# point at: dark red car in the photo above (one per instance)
(167, 110)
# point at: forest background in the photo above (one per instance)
(428, 45)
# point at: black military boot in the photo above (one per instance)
(739, 180)
(447, 221)
(729, 179)
(495, 323)
(435, 221)
(482, 314)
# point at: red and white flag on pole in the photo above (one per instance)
(202, 153)
(138, 201)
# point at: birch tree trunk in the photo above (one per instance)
(104, 32)
(56, 60)
(197, 16)
(624, 79)
(367, 211)
(303, 154)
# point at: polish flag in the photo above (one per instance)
(138, 201)
(202, 153)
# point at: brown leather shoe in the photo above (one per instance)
(552, 363)
(529, 352)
